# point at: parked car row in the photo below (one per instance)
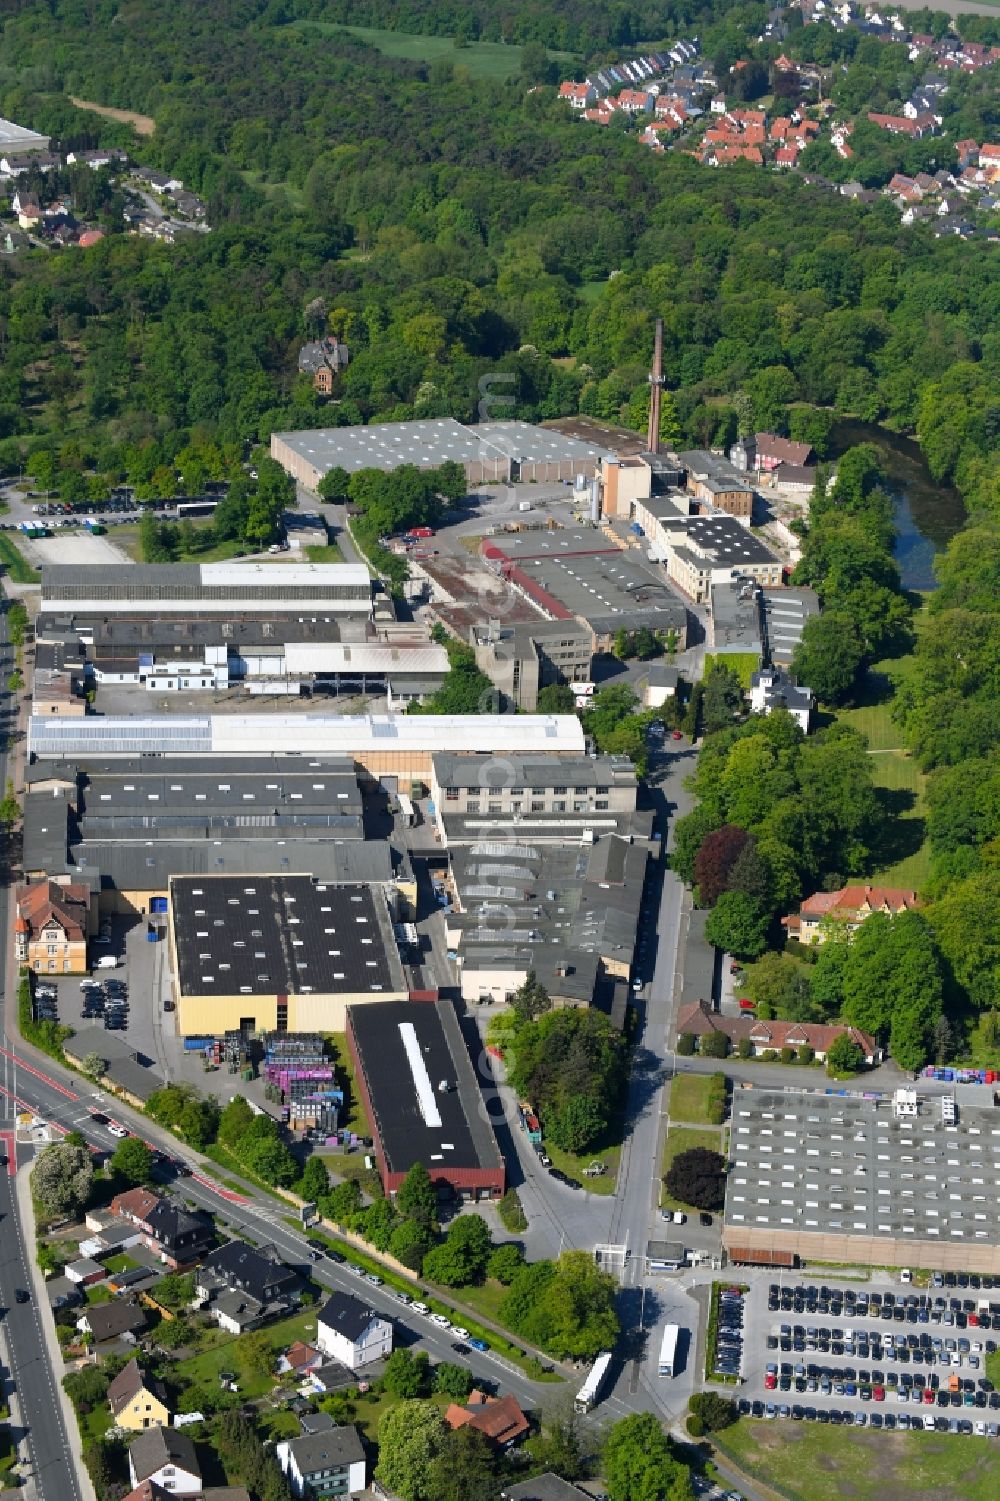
(915, 1309)
(728, 1356)
(108, 999)
(45, 1003)
(871, 1344)
(874, 1384)
(863, 1304)
(889, 1421)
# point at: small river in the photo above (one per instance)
(927, 514)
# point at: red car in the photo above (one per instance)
(677, 735)
(770, 1382)
(748, 1005)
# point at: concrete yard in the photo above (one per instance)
(76, 546)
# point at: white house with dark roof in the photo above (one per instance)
(353, 1333)
(325, 1464)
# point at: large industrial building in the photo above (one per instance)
(541, 799)
(582, 574)
(422, 1097)
(391, 744)
(849, 1179)
(700, 551)
(525, 657)
(570, 913)
(490, 452)
(126, 830)
(278, 954)
(230, 590)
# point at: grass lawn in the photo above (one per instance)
(225, 1353)
(871, 715)
(814, 1463)
(590, 291)
(744, 664)
(371, 1407)
(573, 1166)
(689, 1098)
(127, 538)
(681, 1139)
(295, 195)
(331, 553)
(355, 1120)
(15, 563)
(494, 60)
(902, 786)
(121, 1263)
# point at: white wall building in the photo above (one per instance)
(352, 1333)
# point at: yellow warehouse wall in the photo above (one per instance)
(211, 1015)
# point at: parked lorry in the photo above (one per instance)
(590, 1392)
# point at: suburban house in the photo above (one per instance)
(699, 1020)
(765, 452)
(325, 1464)
(844, 910)
(772, 688)
(244, 1285)
(179, 1237)
(135, 1205)
(51, 922)
(299, 1359)
(547, 1487)
(352, 1333)
(28, 210)
(137, 1401)
(107, 1321)
(166, 1457)
(660, 683)
(499, 1418)
(323, 359)
(578, 95)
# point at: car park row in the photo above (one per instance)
(728, 1358)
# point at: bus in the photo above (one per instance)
(668, 1350)
(589, 1393)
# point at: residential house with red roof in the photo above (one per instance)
(699, 1020)
(499, 1418)
(51, 923)
(845, 910)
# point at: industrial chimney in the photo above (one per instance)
(655, 386)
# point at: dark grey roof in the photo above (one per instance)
(482, 772)
(334, 1448)
(662, 675)
(548, 898)
(717, 473)
(260, 1273)
(348, 1315)
(543, 1488)
(163, 1446)
(109, 1320)
(97, 1040)
(132, 1077)
(284, 935)
(464, 1138)
(175, 1227)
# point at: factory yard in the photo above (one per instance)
(77, 547)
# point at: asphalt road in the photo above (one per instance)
(41, 1435)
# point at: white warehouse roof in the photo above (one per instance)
(347, 657)
(302, 734)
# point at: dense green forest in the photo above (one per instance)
(451, 230)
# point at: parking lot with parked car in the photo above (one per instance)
(835, 1354)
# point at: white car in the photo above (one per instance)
(679, 1217)
(440, 1320)
(116, 1130)
(420, 1308)
(460, 1333)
